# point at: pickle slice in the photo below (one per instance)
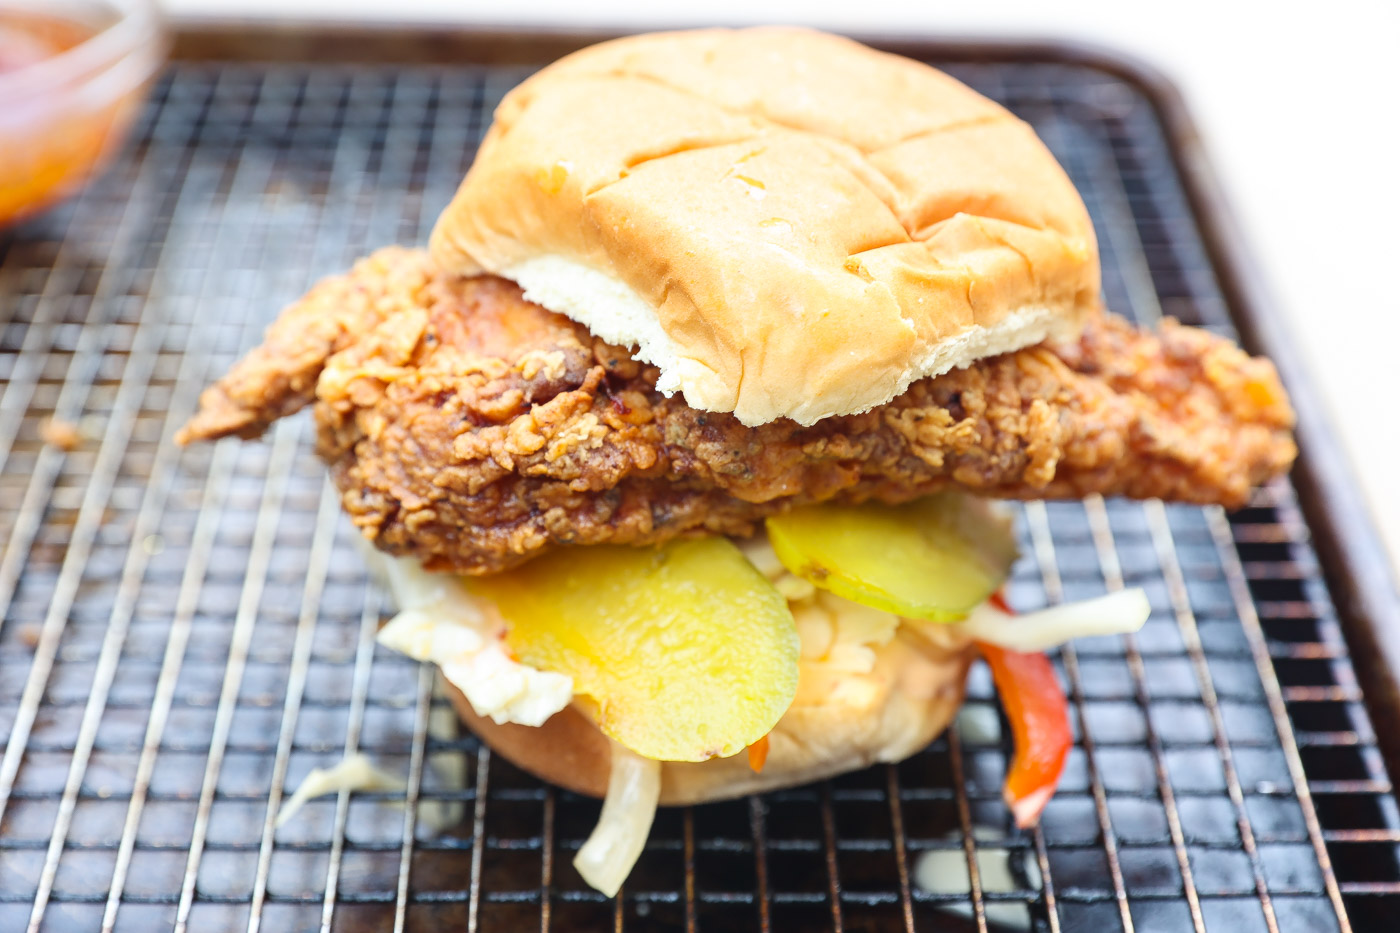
(935, 558)
(685, 652)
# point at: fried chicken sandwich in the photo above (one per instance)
(680, 437)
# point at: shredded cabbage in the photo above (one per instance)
(352, 773)
(1115, 614)
(634, 787)
(439, 621)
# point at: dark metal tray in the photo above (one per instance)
(185, 633)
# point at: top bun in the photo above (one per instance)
(786, 223)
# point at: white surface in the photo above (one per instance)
(1297, 103)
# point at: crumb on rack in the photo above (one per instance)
(62, 434)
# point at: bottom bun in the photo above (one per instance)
(840, 721)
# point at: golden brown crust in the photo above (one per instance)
(802, 225)
(472, 429)
(279, 376)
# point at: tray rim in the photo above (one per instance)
(1351, 554)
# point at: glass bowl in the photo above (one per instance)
(73, 74)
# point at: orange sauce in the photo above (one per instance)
(52, 141)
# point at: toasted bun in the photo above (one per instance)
(839, 723)
(786, 223)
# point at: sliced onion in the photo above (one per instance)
(634, 787)
(1115, 614)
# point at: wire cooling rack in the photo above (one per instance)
(184, 634)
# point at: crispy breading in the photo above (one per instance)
(473, 429)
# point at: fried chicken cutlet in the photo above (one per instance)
(473, 429)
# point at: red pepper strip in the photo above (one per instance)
(758, 754)
(1039, 715)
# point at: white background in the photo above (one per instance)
(1298, 104)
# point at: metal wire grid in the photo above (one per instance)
(185, 634)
